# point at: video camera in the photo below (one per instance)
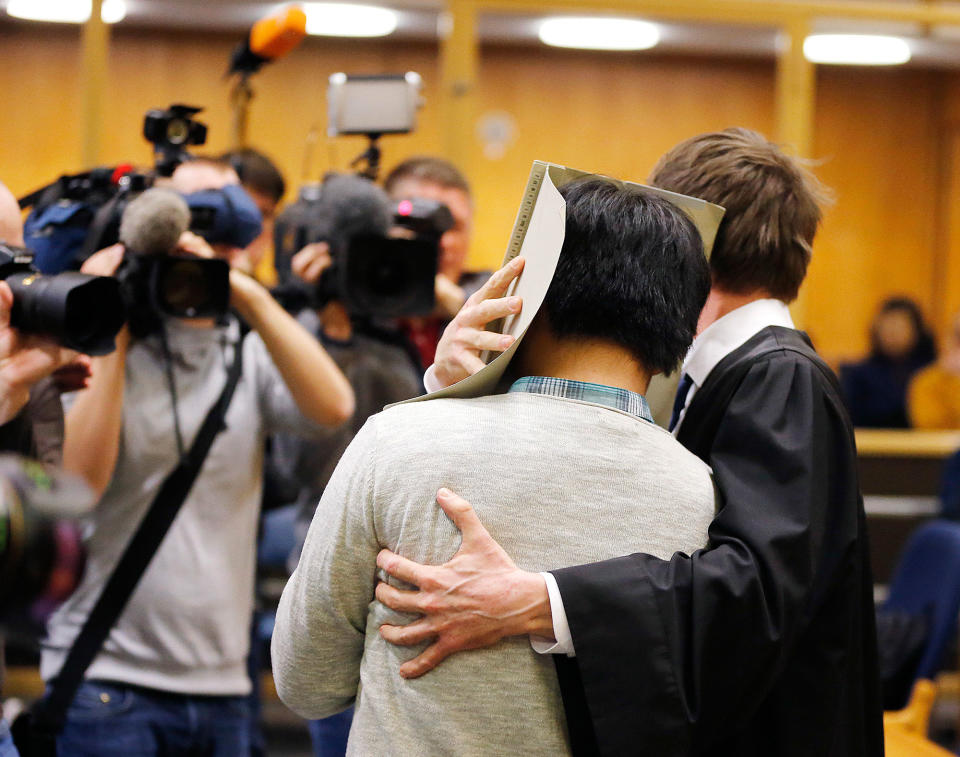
(78, 214)
(384, 253)
(78, 311)
(154, 281)
(171, 131)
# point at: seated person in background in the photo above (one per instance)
(875, 389)
(933, 396)
(265, 184)
(623, 305)
(436, 179)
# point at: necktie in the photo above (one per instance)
(680, 400)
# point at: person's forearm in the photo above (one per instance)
(92, 427)
(321, 391)
(532, 593)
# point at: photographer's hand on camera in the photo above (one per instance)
(465, 338)
(192, 244)
(450, 297)
(310, 262)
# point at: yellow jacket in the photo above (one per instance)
(933, 399)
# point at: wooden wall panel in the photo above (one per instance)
(878, 132)
(39, 129)
(877, 139)
(608, 114)
(153, 69)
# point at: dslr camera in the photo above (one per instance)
(77, 311)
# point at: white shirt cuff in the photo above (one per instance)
(561, 629)
(430, 382)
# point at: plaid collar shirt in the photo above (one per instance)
(599, 394)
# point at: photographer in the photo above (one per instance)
(31, 421)
(25, 364)
(171, 677)
(430, 178)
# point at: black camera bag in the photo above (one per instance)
(35, 731)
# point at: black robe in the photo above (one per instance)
(763, 643)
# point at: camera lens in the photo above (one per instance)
(81, 312)
(389, 277)
(177, 131)
(185, 288)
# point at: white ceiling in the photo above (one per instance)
(937, 47)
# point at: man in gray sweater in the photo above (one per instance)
(622, 306)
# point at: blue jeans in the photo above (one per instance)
(329, 736)
(116, 720)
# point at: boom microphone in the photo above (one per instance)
(153, 222)
(270, 38)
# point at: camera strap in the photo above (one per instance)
(49, 716)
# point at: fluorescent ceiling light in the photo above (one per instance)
(346, 20)
(65, 11)
(597, 33)
(856, 49)
(113, 11)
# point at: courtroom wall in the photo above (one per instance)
(884, 140)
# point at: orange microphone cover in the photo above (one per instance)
(280, 32)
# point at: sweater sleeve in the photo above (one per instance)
(319, 635)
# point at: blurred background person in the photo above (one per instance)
(266, 186)
(433, 178)
(31, 417)
(901, 343)
(934, 392)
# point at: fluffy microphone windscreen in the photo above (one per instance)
(350, 205)
(278, 33)
(153, 222)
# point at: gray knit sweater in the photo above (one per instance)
(557, 482)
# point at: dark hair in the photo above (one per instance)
(257, 172)
(924, 349)
(773, 207)
(429, 169)
(631, 271)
